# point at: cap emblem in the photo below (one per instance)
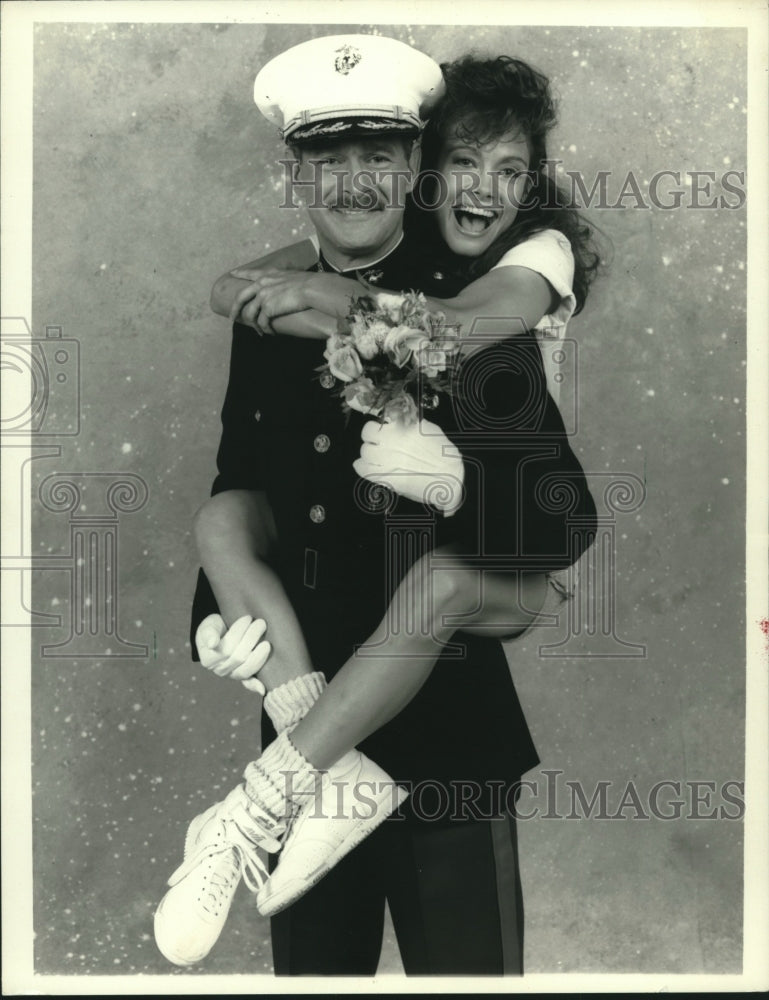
(347, 58)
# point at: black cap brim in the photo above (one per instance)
(351, 127)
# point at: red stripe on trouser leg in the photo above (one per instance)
(445, 902)
(509, 894)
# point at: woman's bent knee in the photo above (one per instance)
(501, 605)
(454, 592)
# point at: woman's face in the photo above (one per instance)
(485, 187)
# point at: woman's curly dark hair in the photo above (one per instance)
(488, 100)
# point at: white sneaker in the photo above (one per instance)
(219, 849)
(354, 796)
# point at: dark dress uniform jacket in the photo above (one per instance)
(345, 544)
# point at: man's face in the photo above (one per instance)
(355, 191)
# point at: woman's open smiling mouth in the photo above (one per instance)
(473, 220)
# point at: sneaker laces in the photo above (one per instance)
(244, 863)
(223, 882)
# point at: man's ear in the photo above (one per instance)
(414, 160)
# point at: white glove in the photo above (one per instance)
(236, 652)
(416, 461)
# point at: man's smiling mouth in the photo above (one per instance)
(474, 220)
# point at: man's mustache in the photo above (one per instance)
(363, 201)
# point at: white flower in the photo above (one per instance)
(335, 342)
(359, 326)
(366, 346)
(368, 340)
(390, 304)
(380, 330)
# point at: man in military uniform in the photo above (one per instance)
(448, 872)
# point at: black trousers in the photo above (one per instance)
(454, 893)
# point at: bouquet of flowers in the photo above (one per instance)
(393, 354)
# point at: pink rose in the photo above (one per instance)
(345, 364)
(400, 342)
(402, 409)
(361, 395)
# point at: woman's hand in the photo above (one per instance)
(272, 293)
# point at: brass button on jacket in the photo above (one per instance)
(317, 514)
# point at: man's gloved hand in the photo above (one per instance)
(417, 461)
(237, 652)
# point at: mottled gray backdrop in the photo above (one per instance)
(153, 173)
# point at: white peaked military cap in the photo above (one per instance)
(342, 85)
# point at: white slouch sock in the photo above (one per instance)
(288, 704)
(281, 779)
